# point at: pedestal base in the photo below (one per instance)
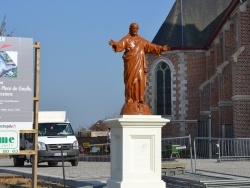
(136, 184)
(136, 151)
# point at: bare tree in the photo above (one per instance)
(3, 29)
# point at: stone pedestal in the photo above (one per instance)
(136, 151)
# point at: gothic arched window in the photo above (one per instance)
(163, 89)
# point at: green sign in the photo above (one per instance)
(9, 142)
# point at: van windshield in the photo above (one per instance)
(54, 129)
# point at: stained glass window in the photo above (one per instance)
(163, 89)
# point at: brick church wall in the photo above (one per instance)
(219, 81)
(241, 69)
(196, 74)
(229, 80)
(210, 63)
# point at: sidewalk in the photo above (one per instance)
(80, 176)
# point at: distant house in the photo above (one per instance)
(203, 83)
(97, 134)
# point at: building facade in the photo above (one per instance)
(203, 84)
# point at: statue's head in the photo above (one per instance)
(133, 29)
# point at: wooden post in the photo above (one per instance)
(36, 109)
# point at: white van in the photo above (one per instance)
(56, 141)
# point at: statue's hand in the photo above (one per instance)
(111, 42)
(165, 48)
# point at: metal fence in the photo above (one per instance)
(233, 149)
(224, 156)
(205, 148)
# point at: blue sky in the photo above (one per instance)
(79, 71)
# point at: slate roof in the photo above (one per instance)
(190, 23)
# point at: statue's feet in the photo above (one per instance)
(135, 108)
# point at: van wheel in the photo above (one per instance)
(51, 164)
(18, 162)
(74, 162)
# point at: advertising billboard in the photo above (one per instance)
(16, 84)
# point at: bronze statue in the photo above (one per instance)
(135, 69)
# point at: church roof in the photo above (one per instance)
(191, 23)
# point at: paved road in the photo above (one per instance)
(89, 174)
